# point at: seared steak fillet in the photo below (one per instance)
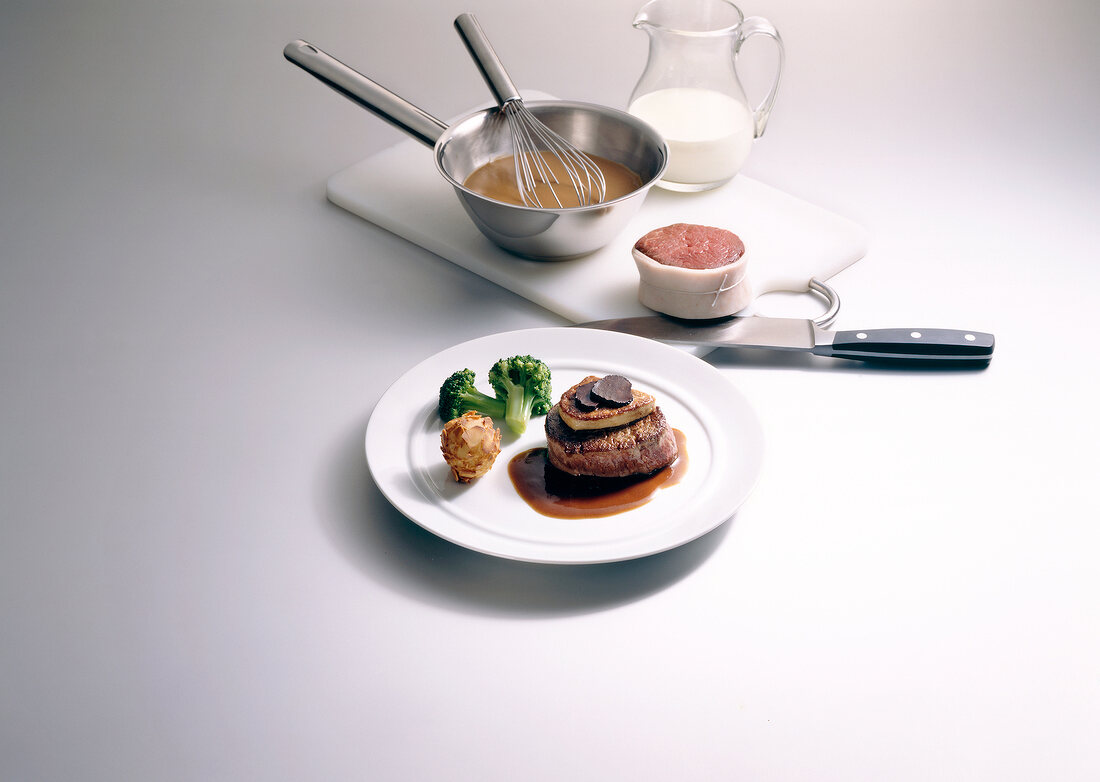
(639, 448)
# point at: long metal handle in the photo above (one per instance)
(492, 70)
(369, 94)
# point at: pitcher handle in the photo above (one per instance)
(757, 25)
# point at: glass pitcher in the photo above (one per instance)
(690, 91)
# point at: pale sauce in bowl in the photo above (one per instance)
(497, 180)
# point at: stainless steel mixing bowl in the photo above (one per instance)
(542, 234)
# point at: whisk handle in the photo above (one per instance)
(492, 70)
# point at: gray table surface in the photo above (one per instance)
(199, 579)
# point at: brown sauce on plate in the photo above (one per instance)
(554, 493)
(497, 180)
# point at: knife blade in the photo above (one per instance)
(796, 334)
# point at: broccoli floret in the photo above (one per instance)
(458, 395)
(523, 383)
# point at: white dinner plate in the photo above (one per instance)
(724, 443)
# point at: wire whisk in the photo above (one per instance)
(547, 166)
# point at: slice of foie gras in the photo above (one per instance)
(641, 405)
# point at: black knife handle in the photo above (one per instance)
(941, 345)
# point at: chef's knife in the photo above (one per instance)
(756, 331)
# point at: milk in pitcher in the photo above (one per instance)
(690, 91)
(709, 134)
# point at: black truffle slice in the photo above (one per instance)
(584, 399)
(613, 390)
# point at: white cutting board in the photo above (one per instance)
(787, 240)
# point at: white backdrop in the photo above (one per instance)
(199, 581)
